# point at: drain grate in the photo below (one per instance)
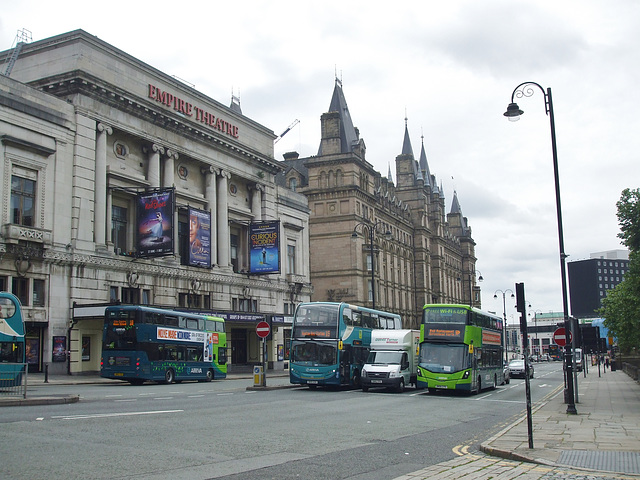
(620, 462)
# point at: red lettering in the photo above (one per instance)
(235, 132)
(152, 91)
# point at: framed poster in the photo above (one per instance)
(264, 247)
(155, 223)
(59, 352)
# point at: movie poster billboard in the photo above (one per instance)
(199, 238)
(264, 246)
(155, 223)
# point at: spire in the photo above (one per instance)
(407, 149)
(235, 103)
(455, 205)
(424, 166)
(348, 135)
(389, 177)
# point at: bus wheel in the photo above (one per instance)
(365, 389)
(169, 376)
(400, 388)
(209, 375)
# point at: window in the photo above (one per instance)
(293, 183)
(38, 293)
(119, 229)
(3, 284)
(20, 288)
(234, 251)
(291, 259)
(23, 200)
(113, 294)
(368, 262)
(370, 290)
(131, 296)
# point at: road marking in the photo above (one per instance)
(461, 450)
(223, 394)
(112, 396)
(163, 398)
(109, 415)
(195, 396)
(128, 400)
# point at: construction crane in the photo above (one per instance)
(23, 36)
(295, 122)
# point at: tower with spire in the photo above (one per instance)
(422, 260)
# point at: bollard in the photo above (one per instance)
(46, 373)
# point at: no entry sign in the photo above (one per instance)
(560, 337)
(263, 329)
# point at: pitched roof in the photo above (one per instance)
(348, 135)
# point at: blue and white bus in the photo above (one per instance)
(12, 350)
(330, 342)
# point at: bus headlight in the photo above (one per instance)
(466, 374)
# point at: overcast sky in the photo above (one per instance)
(450, 68)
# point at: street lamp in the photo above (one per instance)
(472, 275)
(387, 235)
(513, 113)
(504, 315)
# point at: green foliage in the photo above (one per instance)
(621, 307)
(629, 218)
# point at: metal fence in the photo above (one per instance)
(13, 380)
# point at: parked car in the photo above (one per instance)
(517, 368)
(506, 374)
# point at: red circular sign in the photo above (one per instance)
(262, 329)
(560, 337)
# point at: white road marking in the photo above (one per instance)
(109, 415)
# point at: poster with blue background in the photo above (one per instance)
(155, 223)
(264, 246)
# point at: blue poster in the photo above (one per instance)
(264, 245)
(155, 223)
(199, 238)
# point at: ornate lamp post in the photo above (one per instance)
(504, 315)
(513, 113)
(372, 229)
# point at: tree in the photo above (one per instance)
(621, 307)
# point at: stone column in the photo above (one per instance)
(153, 172)
(100, 193)
(256, 202)
(170, 168)
(210, 196)
(223, 219)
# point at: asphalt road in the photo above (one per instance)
(222, 430)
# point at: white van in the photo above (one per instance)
(392, 361)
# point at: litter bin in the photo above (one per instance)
(613, 366)
(258, 375)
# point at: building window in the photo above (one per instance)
(3, 283)
(113, 294)
(368, 262)
(119, 229)
(291, 259)
(146, 297)
(38, 293)
(293, 184)
(23, 201)
(234, 251)
(131, 296)
(370, 290)
(20, 288)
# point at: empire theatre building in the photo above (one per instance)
(122, 184)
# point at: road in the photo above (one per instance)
(223, 430)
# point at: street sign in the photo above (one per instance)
(560, 337)
(262, 329)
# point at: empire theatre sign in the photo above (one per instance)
(181, 106)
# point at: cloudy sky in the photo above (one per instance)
(450, 69)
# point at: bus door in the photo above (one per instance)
(345, 364)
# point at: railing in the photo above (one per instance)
(13, 380)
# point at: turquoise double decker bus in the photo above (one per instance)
(330, 342)
(460, 349)
(12, 348)
(143, 343)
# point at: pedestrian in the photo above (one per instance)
(606, 362)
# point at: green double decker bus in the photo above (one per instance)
(143, 343)
(460, 349)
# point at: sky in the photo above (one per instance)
(449, 69)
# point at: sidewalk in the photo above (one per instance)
(603, 438)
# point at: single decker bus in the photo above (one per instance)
(143, 343)
(12, 347)
(330, 342)
(460, 349)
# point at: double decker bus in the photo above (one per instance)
(12, 347)
(460, 348)
(144, 343)
(330, 342)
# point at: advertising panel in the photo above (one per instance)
(155, 223)
(264, 246)
(199, 238)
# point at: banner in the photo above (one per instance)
(155, 223)
(264, 247)
(199, 238)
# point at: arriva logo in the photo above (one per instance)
(313, 369)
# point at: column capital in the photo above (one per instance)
(258, 187)
(157, 149)
(225, 174)
(209, 170)
(172, 154)
(103, 127)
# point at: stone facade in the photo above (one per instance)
(421, 254)
(87, 128)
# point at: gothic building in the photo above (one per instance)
(89, 138)
(375, 242)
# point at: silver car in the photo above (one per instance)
(517, 368)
